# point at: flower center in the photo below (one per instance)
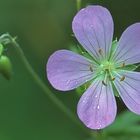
(105, 71)
(106, 67)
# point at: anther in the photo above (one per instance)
(91, 68)
(113, 78)
(123, 64)
(122, 78)
(104, 83)
(100, 51)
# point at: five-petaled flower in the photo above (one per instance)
(93, 27)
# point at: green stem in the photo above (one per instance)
(46, 90)
(8, 39)
(78, 3)
(98, 135)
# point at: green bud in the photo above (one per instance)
(5, 67)
(1, 49)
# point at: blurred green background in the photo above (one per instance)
(42, 27)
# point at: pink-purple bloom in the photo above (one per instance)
(93, 27)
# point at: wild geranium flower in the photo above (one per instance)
(107, 68)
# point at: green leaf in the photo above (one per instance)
(80, 50)
(113, 47)
(126, 124)
(138, 66)
(80, 90)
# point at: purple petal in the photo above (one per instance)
(67, 70)
(93, 27)
(128, 49)
(129, 90)
(97, 106)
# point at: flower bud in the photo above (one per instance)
(5, 67)
(1, 49)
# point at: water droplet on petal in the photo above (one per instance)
(96, 96)
(76, 82)
(67, 83)
(100, 126)
(98, 107)
(82, 9)
(84, 101)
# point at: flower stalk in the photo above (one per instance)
(8, 39)
(78, 4)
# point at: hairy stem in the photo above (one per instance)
(98, 135)
(78, 4)
(7, 39)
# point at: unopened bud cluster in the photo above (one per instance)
(5, 64)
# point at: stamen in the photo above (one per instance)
(113, 78)
(100, 51)
(104, 83)
(91, 68)
(123, 64)
(122, 79)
